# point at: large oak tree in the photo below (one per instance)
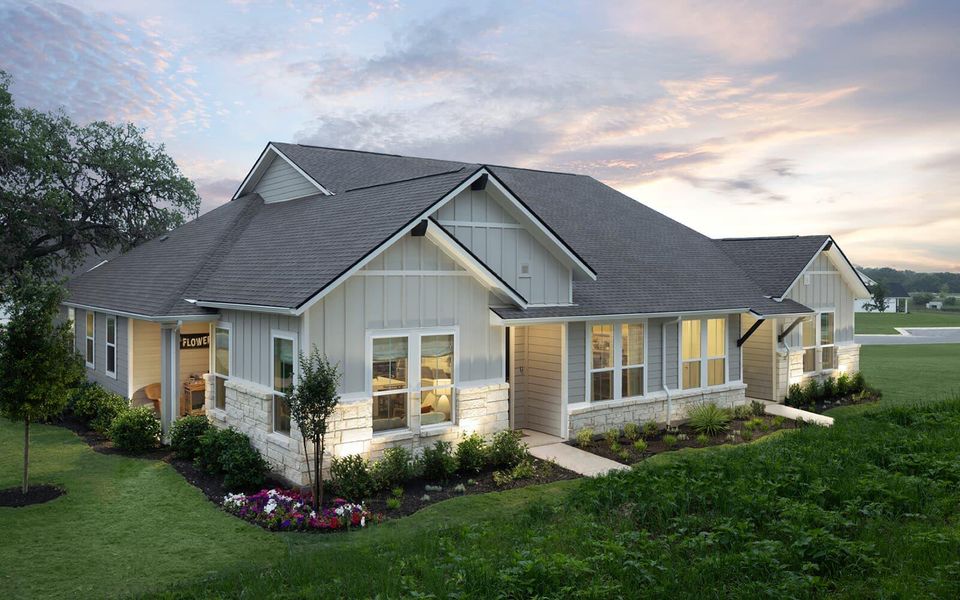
(66, 189)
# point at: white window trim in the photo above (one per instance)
(705, 356)
(90, 336)
(293, 337)
(213, 360)
(618, 366)
(107, 345)
(413, 388)
(821, 346)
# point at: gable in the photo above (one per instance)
(830, 262)
(492, 230)
(280, 182)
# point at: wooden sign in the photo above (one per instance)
(194, 341)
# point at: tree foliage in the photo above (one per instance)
(38, 363)
(66, 189)
(913, 281)
(879, 294)
(312, 402)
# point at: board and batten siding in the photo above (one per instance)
(826, 290)
(282, 182)
(487, 228)
(576, 361)
(435, 293)
(758, 358)
(99, 373)
(251, 342)
(540, 404)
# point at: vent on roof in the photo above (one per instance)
(164, 238)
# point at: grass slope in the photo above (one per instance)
(885, 322)
(125, 525)
(914, 372)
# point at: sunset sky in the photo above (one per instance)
(737, 118)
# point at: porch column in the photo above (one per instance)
(169, 376)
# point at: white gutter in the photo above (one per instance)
(158, 319)
(280, 310)
(589, 318)
(663, 366)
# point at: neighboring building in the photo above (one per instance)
(898, 299)
(935, 304)
(456, 298)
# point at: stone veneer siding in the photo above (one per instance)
(483, 409)
(789, 365)
(612, 414)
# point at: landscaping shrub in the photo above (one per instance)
(813, 391)
(507, 449)
(795, 396)
(708, 418)
(670, 440)
(438, 461)
(522, 470)
(703, 439)
(471, 454)
(640, 445)
(97, 407)
(228, 452)
(857, 383)
(396, 466)
(136, 430)
(611, 436)
(650, 429)
(828, 388)
(631, 431)
(185, 435)
(742, 411)
(757, 408)
(585, 437)
(843, 385)
(351, 477)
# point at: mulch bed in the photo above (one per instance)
(212, 485)
(36, 494)
(100, 443)
(481, 483)
(686, 438)
(821, 406)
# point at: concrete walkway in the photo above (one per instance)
(795, 414)
(576, 459)
(911, 335)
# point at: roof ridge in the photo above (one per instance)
(367, 187)
(374, 152)
(532, 170)
(773, 237)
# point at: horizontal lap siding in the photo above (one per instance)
(146, 357)
(282, 182)
(758, 359)
(543, 372)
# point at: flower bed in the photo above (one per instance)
(287, 510)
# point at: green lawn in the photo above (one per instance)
(885, 322)
(125, 525)
(906, 373)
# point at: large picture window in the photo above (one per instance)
(90, 333)
(703, 352)
(391, 384)
(436, 379)
(111, 346)
(284, 361)
(615, 356)
(221, 364)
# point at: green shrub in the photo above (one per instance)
(624, 455)
(670, 440)
(522, 470)
(757, 408)
(650, 429)
(396, 466)
(615, 446)
(228, 452)
(828, 388)
(507, 449)
(708, 418)
(471, 454)
(136, 430)
(397, 492)
(351, 477)
(843, 385)
(185, 435)
(703, 439)
(631, 431)
(813, 391)
(98, 407)
(742, 411)
(585, 437)
(857, 383)
(778, 421)
(746, 434)
(438, 462)
(77, 399)
(393, 503)
(796, 396)
(611, 436)
(640, 446)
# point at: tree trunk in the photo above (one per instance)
(26, 454)
(306, 457)
(318, 473)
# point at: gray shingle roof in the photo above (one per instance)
(773, 262)
(281, 254)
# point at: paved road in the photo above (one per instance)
(913, 335)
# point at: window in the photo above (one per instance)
(111, 346)
(90, 333)
(284, 359)
(828, 352)
(72, 317)
(691, 354)
(615, 361)
(716, 351)
(436, 379)
(391, 384)
(703, 356)
(631, 359)
(221, 364)
(809, 335)
(601, 363)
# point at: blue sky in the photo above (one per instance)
(736, 118)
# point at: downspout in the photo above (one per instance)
(663, 366)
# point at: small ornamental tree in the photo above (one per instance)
(38, 364)
(312, 402)
(879, 293)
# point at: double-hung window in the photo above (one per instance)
(436, 379)
(703, 352)
(828, 351)
(616, 361)
(221, 364)
(111, 367)
(90, 334)
(391, 382)
(808, 333)
(283, 368)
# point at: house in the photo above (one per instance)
(456, 298)
(898, 299)
(935, 305)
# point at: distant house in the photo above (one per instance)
(898, 299)
(935, 304)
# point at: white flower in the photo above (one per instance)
(363, 521)
(270, 506)
(234, 500)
